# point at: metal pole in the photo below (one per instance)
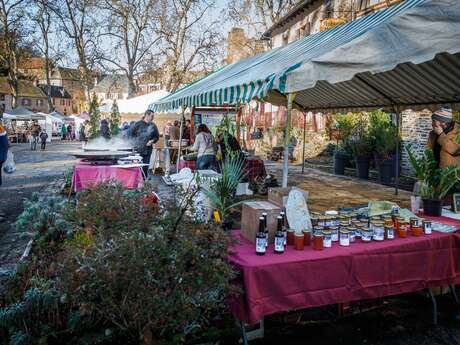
(303, 143)
(397, 150)
(182, 121)
(287, 130)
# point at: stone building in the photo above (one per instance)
(30, 96)
(111, 87)
(240, 47)
(61, 99)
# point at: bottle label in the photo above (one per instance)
(327, 242)
(260, 245)
(279, 244)
(390, 234)
(428, 229)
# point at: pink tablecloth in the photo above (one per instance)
(303, 279)
(85, 176)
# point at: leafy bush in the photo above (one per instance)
(124, 271)
(384, 133)
(435, 182)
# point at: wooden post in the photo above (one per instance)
(303, 142)
(179, 151)
(287, 131)
(398, 119)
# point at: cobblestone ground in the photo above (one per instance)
(36, 170)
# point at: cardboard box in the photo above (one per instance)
(252, 210)
(279, 196)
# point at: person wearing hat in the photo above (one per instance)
(443, 138)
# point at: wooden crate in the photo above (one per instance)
(252, 210)
(279, 195)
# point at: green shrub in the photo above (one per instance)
(124, 270)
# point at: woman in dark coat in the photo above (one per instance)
(105, 130)
(3, 149)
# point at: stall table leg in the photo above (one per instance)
(435, 307)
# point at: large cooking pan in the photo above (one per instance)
(101, 155)
(124, 149)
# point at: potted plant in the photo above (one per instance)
(362, 150)
(385, 137)
(435, 182)
(344, 123)
(221, 190)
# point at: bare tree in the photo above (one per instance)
(131, 27)
(79, 21)
(189, 41)
(258, 15)
(12, 32)
(43, 19)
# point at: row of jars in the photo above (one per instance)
(347, 228)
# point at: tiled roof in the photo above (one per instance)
(69, 73)
(112, 83)
(32, 63)
(56, 91)
(26, 88)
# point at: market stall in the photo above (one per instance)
(19, 121)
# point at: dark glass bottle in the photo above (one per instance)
(264, 214)
(260, 238)
(279, 237)
(284, 230)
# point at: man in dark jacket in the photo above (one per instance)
(144, 134)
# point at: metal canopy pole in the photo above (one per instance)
(303, 142)
(182, 121)
(398, 118)
(287, 130)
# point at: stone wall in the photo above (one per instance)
(415, 129)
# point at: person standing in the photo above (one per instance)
(43, 138)
(443, 138)
(204, 144)
(3, 149)
(166, 131)
(187, 134)
(104, 129)
(82, 134)
(63, 132)
(174, 131)
(69, 132)
(144, 133)
(35, 133)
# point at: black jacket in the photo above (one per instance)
(141, 133)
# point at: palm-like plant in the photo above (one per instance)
(222, 189)
(435, 182)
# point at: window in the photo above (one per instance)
(26, 102)
(2, 96)
(62, 102)
(39, 102)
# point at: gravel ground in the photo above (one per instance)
(36, 170)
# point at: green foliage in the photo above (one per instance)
(125, 267)
(222, 190)
(363, 146)
(115, 119)
(94, 117)
(383, 132)
(435, 182)
(345, 123)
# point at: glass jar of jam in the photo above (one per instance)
(366, 234)
(290, 237)
(307, 237)
(352, 231)
(403, 228)
(318, 240)
(415, 222)
(389, 232)
(334, 233)
(378, 231)
(314, 220)
(395, 216)
(344, 238)
(327, 239)
(299, 241)
(427, 228)
(357, 227)
(322, 221)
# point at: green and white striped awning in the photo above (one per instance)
(346, 66)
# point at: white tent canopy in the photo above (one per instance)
(22, 114)
(135, 105)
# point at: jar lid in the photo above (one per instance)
(426, 221)
(343, 231)
(351, 228)
(326, 232)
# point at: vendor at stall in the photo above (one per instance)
(443, 138)
(145, 133)
(204, 144)
(227, 143)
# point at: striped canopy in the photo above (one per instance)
(360, 53)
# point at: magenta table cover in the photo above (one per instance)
(302, 279)
(85, 176)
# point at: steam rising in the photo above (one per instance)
(114, 144)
